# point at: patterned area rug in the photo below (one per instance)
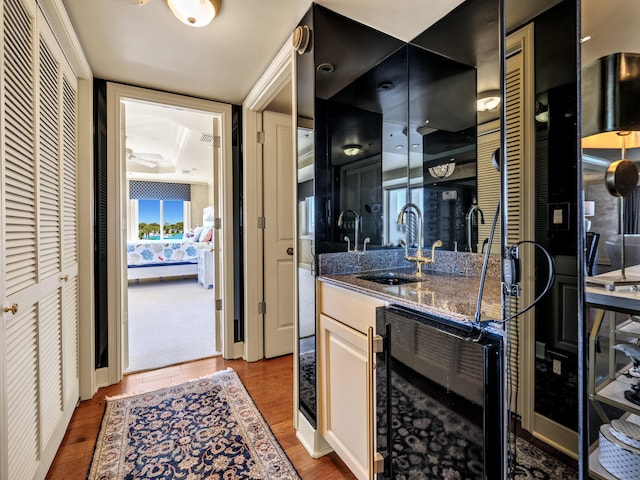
(307, 380)
(449, 446)
(203, 429)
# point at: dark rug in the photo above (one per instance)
(449, 446)
(307, 380)
(203, 429)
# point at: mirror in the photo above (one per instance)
(443, 128)
(352, 103)
(368, 146)
(609, 29)
(345, 81)
(458, 135)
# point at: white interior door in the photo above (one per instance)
(124, 233)
(279, 200)
(218, 238)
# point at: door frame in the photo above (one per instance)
(279, 73)
(116, 230)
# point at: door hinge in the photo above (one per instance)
(262, 308)
(217, 142)
(260, 137)
(261, 223)
(217, 223)
(218, 304)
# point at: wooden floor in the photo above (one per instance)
(269, 382)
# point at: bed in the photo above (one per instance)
(160, 259)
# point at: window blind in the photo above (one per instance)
(159, 191)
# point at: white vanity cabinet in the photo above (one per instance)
(346, 375)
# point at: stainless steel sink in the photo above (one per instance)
(390, 278)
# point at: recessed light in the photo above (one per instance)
(415, 145)
(399, 147)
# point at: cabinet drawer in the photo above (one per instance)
(354, 309)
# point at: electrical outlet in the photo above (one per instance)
(557, 367)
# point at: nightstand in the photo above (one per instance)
(205, 268)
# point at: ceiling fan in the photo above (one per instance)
(147, 159)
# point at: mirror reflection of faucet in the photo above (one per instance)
(472, 221)
(419, 257)
(356, 227)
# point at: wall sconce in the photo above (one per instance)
(352, 150)
(542, 112)
(195, 13)
(488, 101)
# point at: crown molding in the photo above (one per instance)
(60, 24)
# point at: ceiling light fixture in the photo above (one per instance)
(352, 150)
(195, 13)
(442, 171)
(488, 101)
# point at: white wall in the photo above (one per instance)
(200, 198)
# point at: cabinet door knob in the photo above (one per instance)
(290, 251)
(13, 309)
(64, 278)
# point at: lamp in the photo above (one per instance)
(488, 101)
(352, 150)
(611, 102)
(195, 13)
(611, 120)
(589, 211)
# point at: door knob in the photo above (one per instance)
(13, 308)
(290, 251)
(64, 278)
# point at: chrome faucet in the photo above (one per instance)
(419, 258)
(356, 227)
(472, 221)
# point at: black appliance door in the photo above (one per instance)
(383, 399)
(438, 399)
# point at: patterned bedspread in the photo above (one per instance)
(163, 253)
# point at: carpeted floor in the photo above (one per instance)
(170, 322)
(203, 429)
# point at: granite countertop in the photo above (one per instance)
(444, 295)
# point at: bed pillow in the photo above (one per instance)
(188, 236)
(204, 233)
(196, 234)
(208, 236)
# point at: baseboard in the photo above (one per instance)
(310, 438)
(102, 377)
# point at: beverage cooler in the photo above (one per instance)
(439, 398)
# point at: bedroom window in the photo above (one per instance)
(158, 210)
(160, 219)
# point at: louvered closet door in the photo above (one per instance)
(520, 135)
(39, 244)
(488, 182)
